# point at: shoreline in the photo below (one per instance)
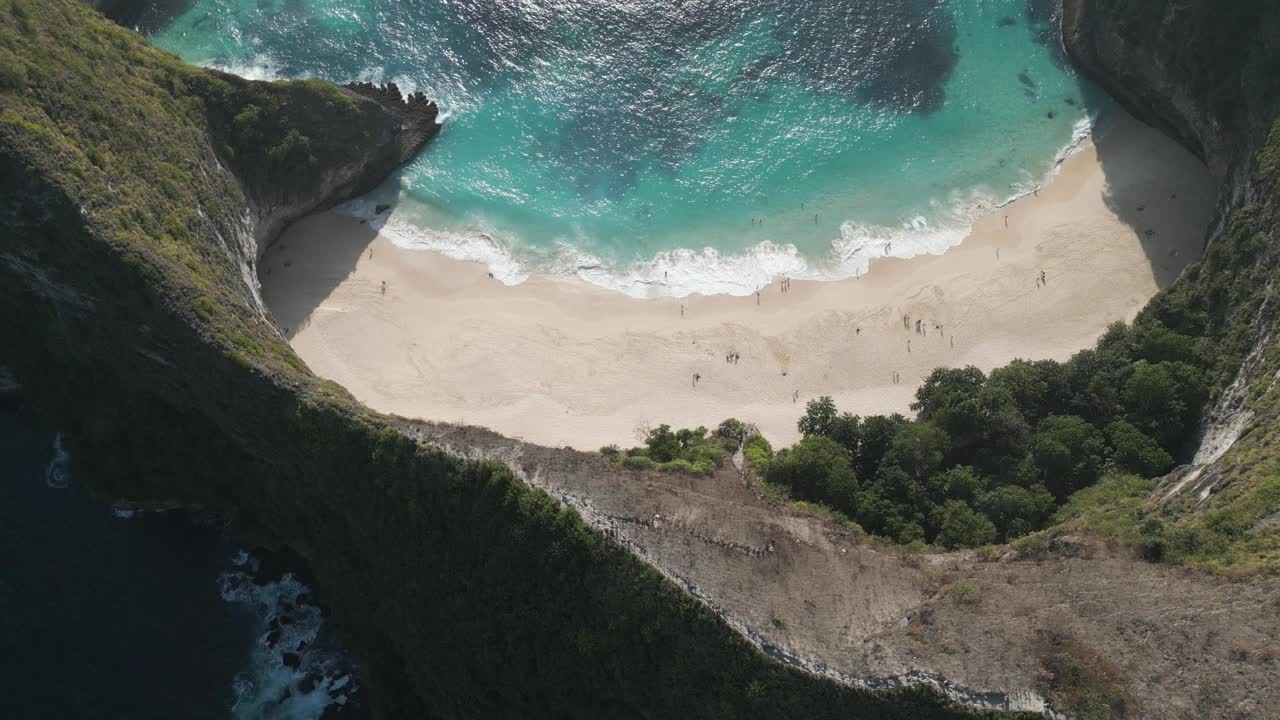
(559, 361)
(694, 272)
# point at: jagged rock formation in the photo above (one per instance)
(418, 114)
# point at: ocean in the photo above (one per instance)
(111, 613)
(678, 147)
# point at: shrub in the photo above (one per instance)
(964, 592)
(731, 429)
(1032, 547)
(1079, 681)
(638, 462)
(817, 469)
(679, 465)
(757, 453)
(962, 526)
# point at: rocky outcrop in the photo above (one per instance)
(397, 128)
(1183, 66)
(418, 114)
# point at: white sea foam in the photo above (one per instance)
(57, 474)
(258, 67)
(683, 272)
(269, 689)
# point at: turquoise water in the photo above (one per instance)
(672, 147)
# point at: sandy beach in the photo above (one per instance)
(558, 362)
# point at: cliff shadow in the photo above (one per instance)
(1161, 191)
(303, 268)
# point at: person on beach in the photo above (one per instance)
(953, 342)
(908, 346)
(757, 298)
(681, 309)
(696, 378)
(384, 287)
(1006, 222)
(857, 331)
(370, 253)
(1043, 280)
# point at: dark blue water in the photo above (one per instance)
(106, 614)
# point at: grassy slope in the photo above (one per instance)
(465, 592)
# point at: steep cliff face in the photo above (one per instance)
(1210, 74)
(1202, 71)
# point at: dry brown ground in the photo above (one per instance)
(1182, 644)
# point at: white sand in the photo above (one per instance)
(561, 362)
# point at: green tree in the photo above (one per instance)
(878, 432)
(663, 444)
(918, 448)
(1038, 389)
(1068, 452)
(1016, 510)
(1156, 343)
(817, 469)
(1135, 452)
(732, 430)
(961, 482)
(1164, 400)
(962, 526)
(946, 388)
(821, 418)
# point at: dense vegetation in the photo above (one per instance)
(990, 457)
(1078, 445)
(463, 591)
(691, 451)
